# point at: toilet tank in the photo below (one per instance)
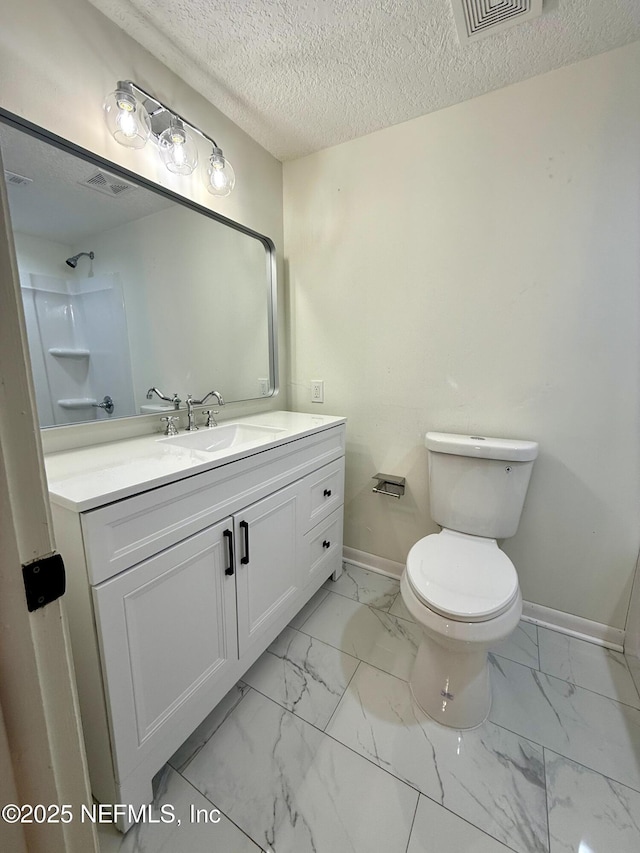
(478, 484)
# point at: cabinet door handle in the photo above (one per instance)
(228, 535)
(326, 544)
(327, 493)
(244, 526)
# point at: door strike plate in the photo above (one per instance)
(44, 581)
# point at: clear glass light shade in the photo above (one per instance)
(127, 119)
(221, 178)
(178, 149)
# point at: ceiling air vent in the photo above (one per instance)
(476, 19)
(108, 184)
(15, 180)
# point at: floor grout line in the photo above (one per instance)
(357, 600)
(202, 794)
(591, 769)
(309, 615)
(562, 755)
(413, 821)
(572, 683)
(311, 637)
(201, 747)
(546, 797)
(342, 697)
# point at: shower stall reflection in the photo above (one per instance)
(79, 346)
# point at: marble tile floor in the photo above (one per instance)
(321, 748)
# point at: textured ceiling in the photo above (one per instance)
(301, 75)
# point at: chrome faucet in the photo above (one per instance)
(175, 399)
(191, 421)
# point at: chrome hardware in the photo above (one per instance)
(191, 420)
(191, 425)
(211, 421)
(175, 399)
(107, 404)
(215, 394)
(170, 428)
(389, 485)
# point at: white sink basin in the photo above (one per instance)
(224, 437)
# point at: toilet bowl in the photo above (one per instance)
(461, 617)
(457, 584)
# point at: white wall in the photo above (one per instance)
(41, 257)
(58, 60)
(225, 317)
(477, 270)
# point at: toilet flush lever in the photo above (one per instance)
(389, 485)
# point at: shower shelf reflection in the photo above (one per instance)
(69, 352)
(78, 403)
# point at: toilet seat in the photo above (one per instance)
(464, 578)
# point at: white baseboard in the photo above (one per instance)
(374, 564)
(574, 626)
(547, 617)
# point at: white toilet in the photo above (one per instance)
(458, 585)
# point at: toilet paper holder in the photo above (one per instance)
(389, 485)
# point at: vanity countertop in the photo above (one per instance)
(89, 477)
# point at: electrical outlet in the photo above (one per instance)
(263, 385)
(317, 390)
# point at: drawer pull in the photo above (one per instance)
(228, 535)
(327, 493)
(244, 526)
(326, 544)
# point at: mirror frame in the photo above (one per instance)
(69, 147)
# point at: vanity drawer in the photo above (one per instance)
(323, 545)
(324, 493)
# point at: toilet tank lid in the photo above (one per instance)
(482, 446)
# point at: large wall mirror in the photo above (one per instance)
(127, 286)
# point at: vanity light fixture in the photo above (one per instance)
(133, 116)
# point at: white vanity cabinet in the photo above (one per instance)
(174, 591)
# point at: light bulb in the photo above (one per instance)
(127, 120)
(221, 177)
(179, 157)
(127, 123)
(178, 150)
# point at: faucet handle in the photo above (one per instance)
(170, 428)
(211, 421)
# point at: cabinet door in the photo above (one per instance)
(168, 635)
(266, 563)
